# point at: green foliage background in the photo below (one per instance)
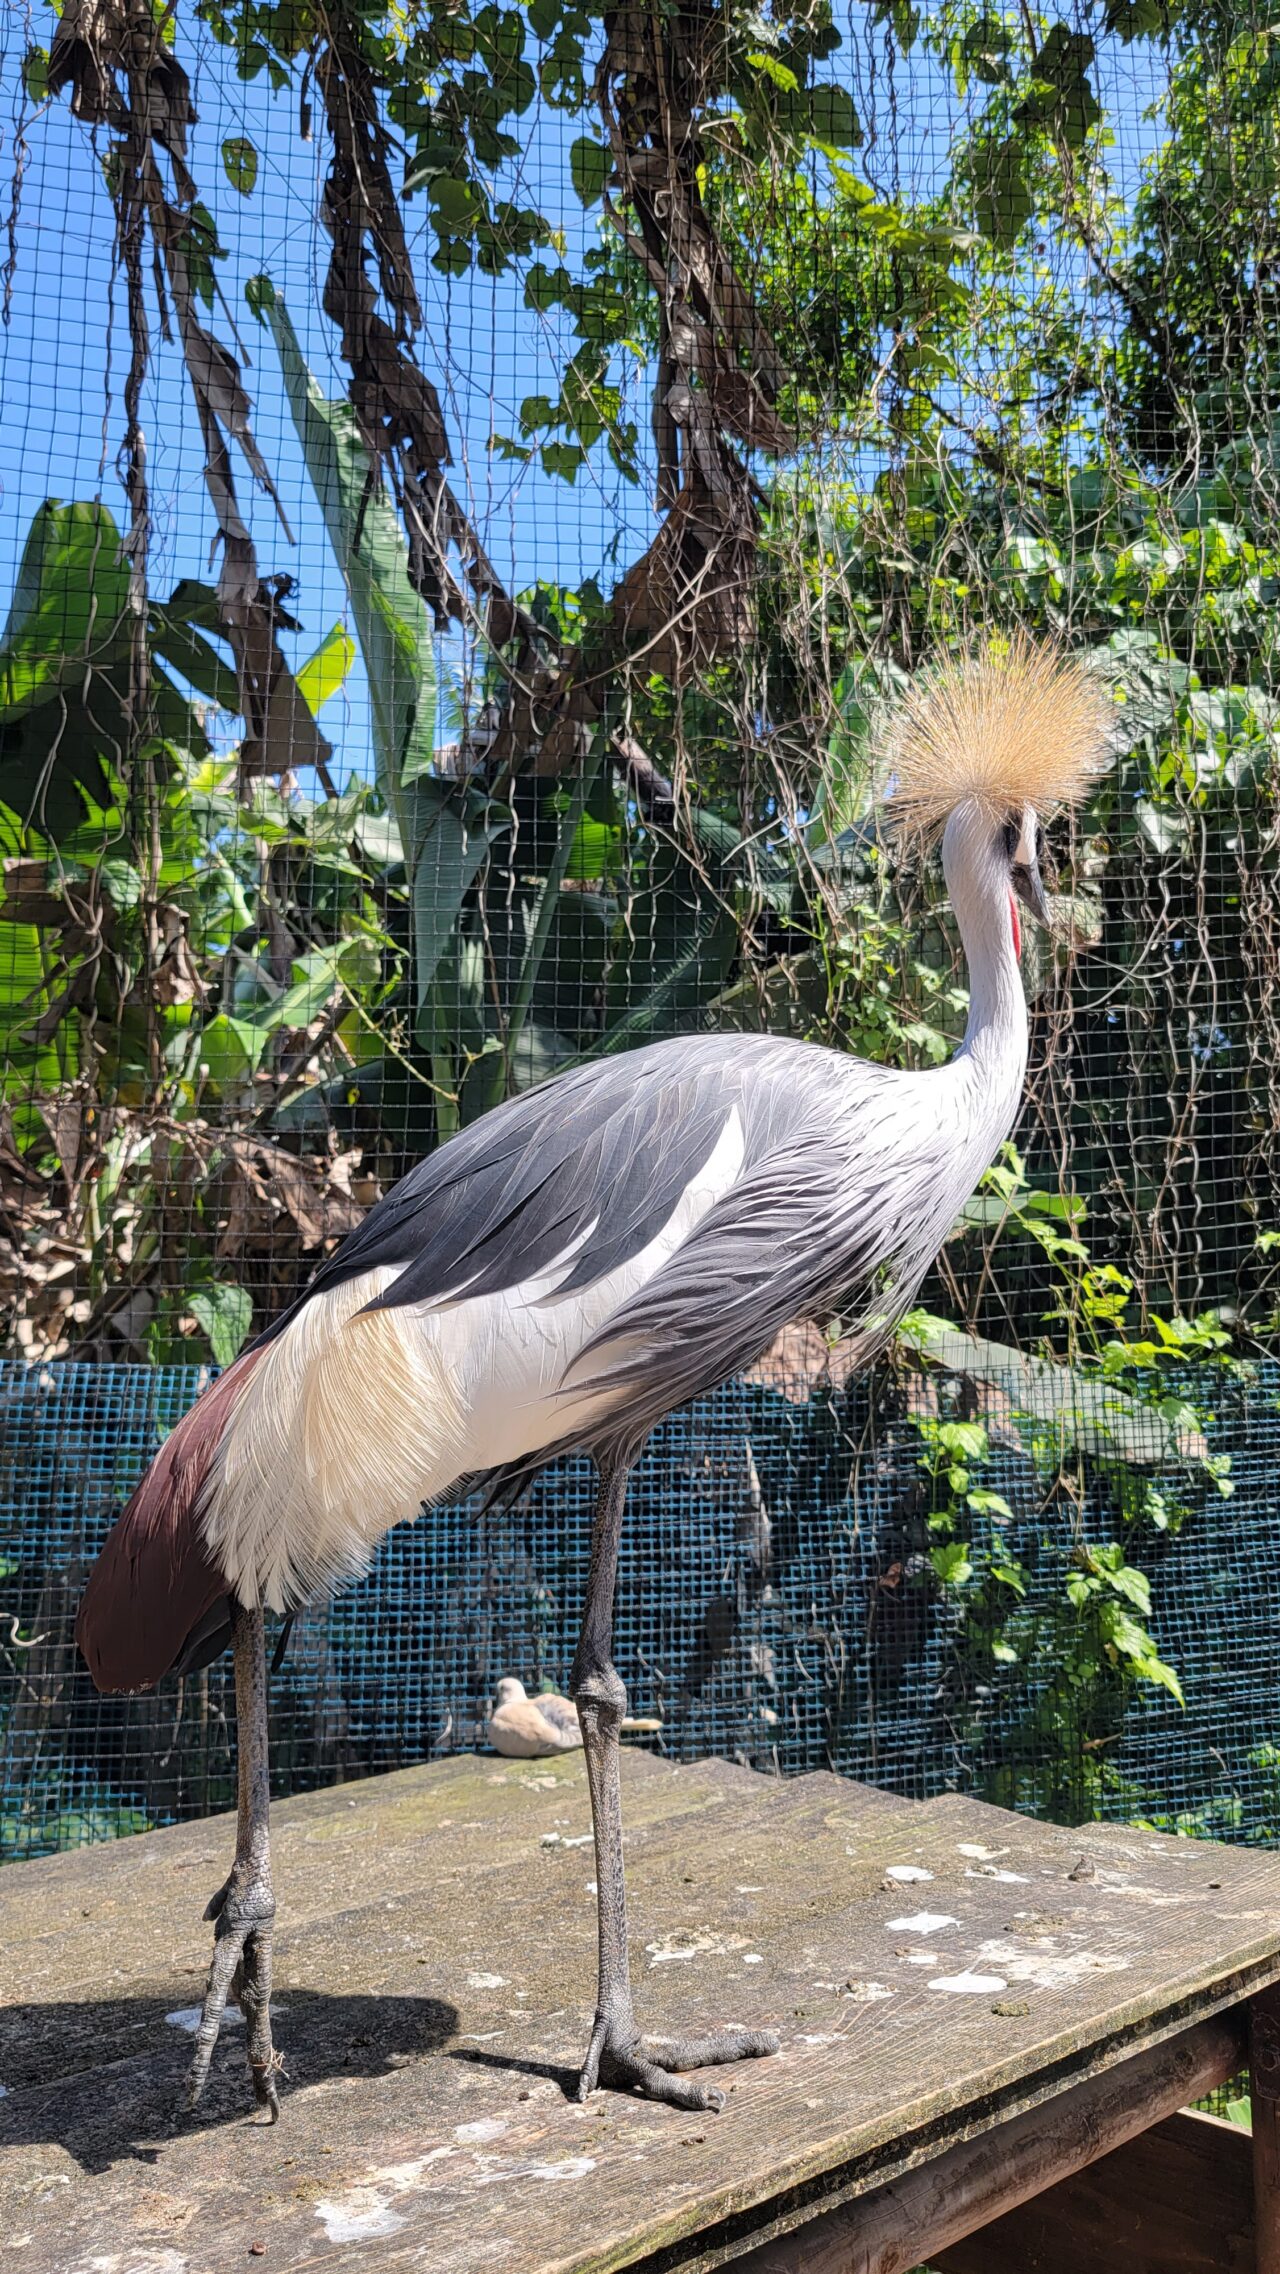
(878, 410)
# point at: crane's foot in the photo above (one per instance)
(241, 1968)
(620, 2059)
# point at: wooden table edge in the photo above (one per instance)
(818, 2225)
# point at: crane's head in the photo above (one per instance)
(986, 744)
(1021, 848)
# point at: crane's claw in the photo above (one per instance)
(241, 1968)
(626, 2062)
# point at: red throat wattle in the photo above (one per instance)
(1017, 928)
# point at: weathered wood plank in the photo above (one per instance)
(1177, 2200)
(435, 1972)
(1264, 2090)
(921, 2215)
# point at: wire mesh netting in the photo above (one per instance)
(474, 480)
(772, 1605)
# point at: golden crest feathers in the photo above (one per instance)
(1025, 726)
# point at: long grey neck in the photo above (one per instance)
(994, 1050)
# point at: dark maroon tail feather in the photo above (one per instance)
(155, 1598)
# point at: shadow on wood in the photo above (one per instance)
(57, 2053)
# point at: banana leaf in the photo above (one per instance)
(445, 828)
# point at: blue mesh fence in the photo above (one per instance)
(775, 1602)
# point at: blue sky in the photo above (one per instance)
(62, 356)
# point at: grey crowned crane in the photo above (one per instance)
(565, 1273)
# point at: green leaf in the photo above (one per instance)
(230, 1050)
(378, 839)
(315, 977)
(985, 49)
(260, 294)
(681, 939)
(844, 797)
(35, 74)
(966, 1439)
(1010, 1575)
(225, 1312)
(549, 288)
(69, 603)
(391, 620)
(325, 672)
(179, 638)
(833, 120)
(589, 168)
(596, 851)
(123, 883)
(770, 68)
(445, 828)
(1060, 94)
(564, 459)
(455, 827)
(456, 202)
(240, 163)
(951, 1563)
(990, 1504)
(1152, 1669)
(65, 663)
(1002, 197)
(904, 19)
(1133, 1585)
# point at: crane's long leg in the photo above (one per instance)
(244, 1906)
(617, 2055)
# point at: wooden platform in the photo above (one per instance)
(934, 1971)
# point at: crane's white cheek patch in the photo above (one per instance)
(970, 1984)
(922, 1922)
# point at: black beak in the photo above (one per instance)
(1028, 885)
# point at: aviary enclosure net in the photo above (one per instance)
(473, 477)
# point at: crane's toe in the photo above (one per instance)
(707, 2052)
(651, 2066)
(241, 1968)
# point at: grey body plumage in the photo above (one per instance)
(828, 1207)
